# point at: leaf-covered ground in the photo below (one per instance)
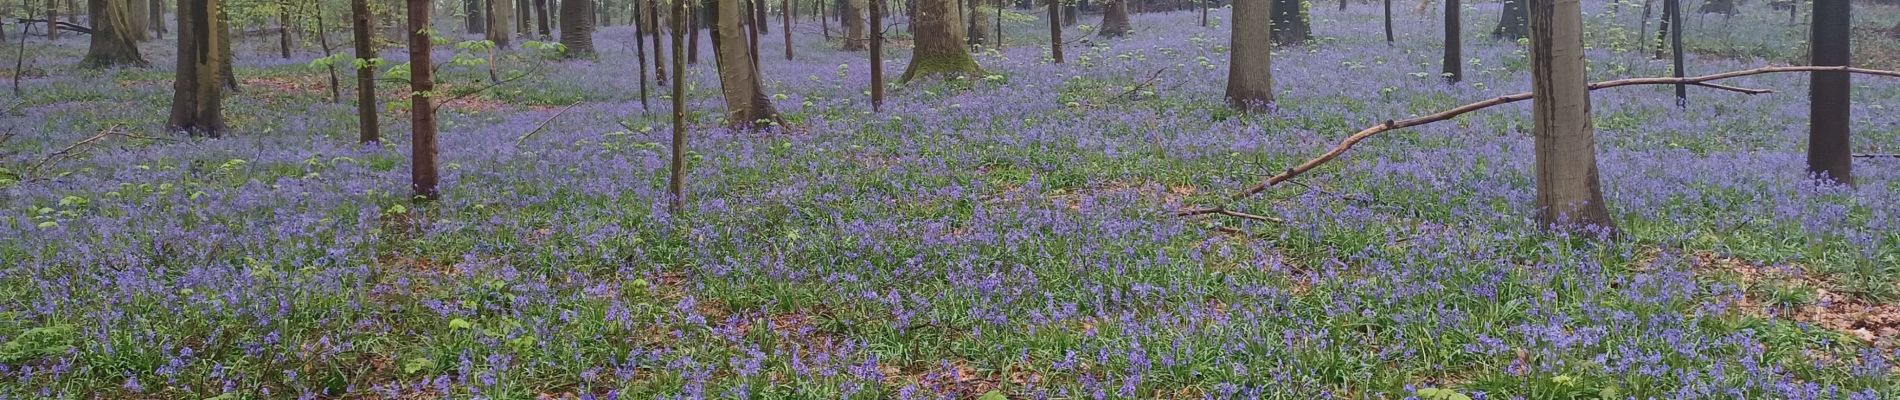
(1004, 236)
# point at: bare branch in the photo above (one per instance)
(1227, 212)
(544, 123)
(1702, 81)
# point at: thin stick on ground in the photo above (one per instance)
(1389, 125)
(1227, 212)
(544, 123)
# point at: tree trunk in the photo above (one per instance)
(1250, 63)
(694, 21)
(112, 42)
(158, 19)
(1055, 30)
(752, 29)
(541, 19)
(197, 88)
(52, 14)
(477, 20)
(1115, 19)
(501, 16)
(758, 17)
(676, 177)
(659, 53)
(1071, 14)
(139, 13)
(1454, 43)
(640, 49)
(577, 28)
(1675, 48)
(1568, 190)
(524, 13)
(1388, 22)
(746, 103)
(323, 39)
(853, 25)
(1724, 7)
(360, 20)
(1290, 26)
(283, 28)
(1513, 22)
(877, 55)
(422, 172)
(604, 13)
(229, 70)
(939, 42)
(973, 34)
(785, 25)
(72, 12)
(1829, 148)
(1663, 27)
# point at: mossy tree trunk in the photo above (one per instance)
(112, 42)
(1568, 190)
(197, 88)
(746, 104)
(1250, 62)
(939, 42)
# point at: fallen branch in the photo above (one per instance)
(1389, 125)
(1227, 212)
(1143, 83)
(1877, 156)
(81, 29)
(544, 123)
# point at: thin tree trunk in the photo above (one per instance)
(1675, 47)
(1290, 26)
(52, 14)
(759, 18)
(112, 42)
(1642, 28)
(1388, 22)
(1663, 27)
(877, 55)
(323, 39)
(676, 178)
(1055, 29)
(523, 12)
(785, 25)
(197, 88)
(939, 42)
(360, 20)
(1454, 43)
(640, 49)
(1250, 62)
(19, 58)
(659, 53)
(1568, 190)
(477, 19)
(422, 149)
(283, 28)
(1829, 144)
(158, 19)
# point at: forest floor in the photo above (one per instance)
(1011, 235)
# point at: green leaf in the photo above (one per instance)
(459, 323)
(415, 365)
(993, 395)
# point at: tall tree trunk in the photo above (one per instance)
(323, 39)
(72, 12)
(283, 28)
(1513, 22)
(139, 13)
(676, 177)
(785, 25)
(1675, 47)
(541, 19)
(477, 20)
(1663, 27)
(640, 49)
(752, 30)
(1642, 27)
(523, 12)
(1115, 19)
(229, 70)
(877, 55)
(1388, 22)
(1250, 62)
(659, 53)
(758, 17)
(939, 42)
(746, 103)
(1568, 190)
(360, 19)
(853, 25)
(1071, 14)
(197, 88)
(501, 17)
(694, 21)
(824, 19)
(577, 28)
(1290, 26)
(52, 14)
(1829, 146)
(1055, 29)
(158, 19)
(422, 149)
(1454, 43)
(112, 43)
(604, 13)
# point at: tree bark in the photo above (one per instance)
(853, 25)
(422, 149)
(1830, 150)
(524, 13)
(974, 34)
(1513, 23)
(477, 20)
(139, 13)
(746, 103)
(1055, 30)
(785, 25)
(283, 28)
(501, 17)
(1388, 22)
(758, 16)
(158, 19)
(541, 19)
(1290, 26)
(1115, 19)
(1663, 27)
(640, 49)
(112, 43)
(577, 28)
(197, 88)
(52, 14)
(939, 42)
(323, 39)
(676, 177)
(877, 55)
(1568, 190)
(1250, 66)
(360, 20)
(659, 53)
(1454, 43)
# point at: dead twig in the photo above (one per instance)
(544, 123)
(1877, 156)
(1138, 85)
(1389, 125)
(1227, 212)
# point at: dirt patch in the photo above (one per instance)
(1872, 323)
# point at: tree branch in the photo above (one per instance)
(1227, 212)
(1389, 125)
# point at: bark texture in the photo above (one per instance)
(1568, 190)
(501, 17)
(1250, 68)
(1513, 23)
(1289, 23)
(1829, 145)
(361, 29)
(939, 39)
(113, 43)
(746, 103)
(1115, 19)
(853, 25)
(422, 171)
(197, 88)
(577, 28)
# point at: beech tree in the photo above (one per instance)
(939, 42)
(1055, 29)
(1829, 146)
(877, 55)
(1115, 19)
(198, 84)
(1568, 190)
(659, 53)
(746, 103)
(360, 20)
(853, 24)
(577, 28)
(501, 16)
(1454, 43)
(676, 177)
(113, 43)
(1250, 62)
(1513, 23)
(422, 171)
